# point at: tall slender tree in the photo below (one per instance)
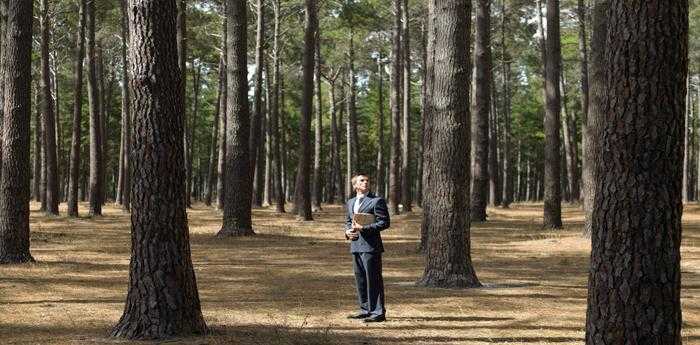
(317, 189)
(406, 147)
(304, 170)
(275, 113)
(49, 123)
(446, 216)
(380, 149)
(552, 179)
(482, 100)
(237, 177)
(73, 180)
(508, 167)
(162, 300)
(181, 35)
(96, 159)
(635, 256)
(124, 183)
(213, 152)
(223, 106)
(396, 87)
(258, 114)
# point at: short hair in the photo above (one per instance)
(356, 175)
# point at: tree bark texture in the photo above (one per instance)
(552, 171)
(317, 184)
(162, 300)
(223, 104)
(634, 286)
(73, 180)
(482, 99)
(96, 161)
(237, 177)
(304, 169)
(380, 147)
(591, 147)
(446, 173)
(52, 197)
(14, 183)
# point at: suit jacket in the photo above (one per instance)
(370, 239)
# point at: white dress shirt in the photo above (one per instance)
(358, 201)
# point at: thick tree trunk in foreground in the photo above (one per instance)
(591, 131)
(552, 171)
(14, 183)
(446, 216)
(162, 300)
(482, 98)
(237, 177)
(634, 287)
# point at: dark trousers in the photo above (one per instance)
(370, 284)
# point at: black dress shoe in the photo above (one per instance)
(375, 318)
(359, 316)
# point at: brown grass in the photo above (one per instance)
(293, 283)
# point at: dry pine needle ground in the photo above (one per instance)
(293, 282)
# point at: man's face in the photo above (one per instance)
(362, 184)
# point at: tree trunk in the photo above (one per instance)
(591, 132)
(583, 57)
(508, 173)
(197, 73)
(686, 142)
(569, 145)
(3, 39)
(396, 87)
(275, 113)
(52, 197)
(238, 179)
(213, 153)
(38, 139)
(482, 98)
(14, 184)
(181, 41)
(304, 169)
(446, 217)
(552, 187)
(162, 300)
(257, 101)
(223, 104)
(94, 100)
(380, 131)
(125, 171)
(267, 150)
(350, 167)
(260, 162)
(634, 287)
(317, 181)
(406, 174)
(493, 175)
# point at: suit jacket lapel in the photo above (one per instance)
(351, 206)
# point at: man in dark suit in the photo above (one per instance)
(367, 248)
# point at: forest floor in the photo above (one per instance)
(292, 283)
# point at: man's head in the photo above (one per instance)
(360, 182)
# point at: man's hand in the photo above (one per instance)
(351, 234)
(356, 227)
